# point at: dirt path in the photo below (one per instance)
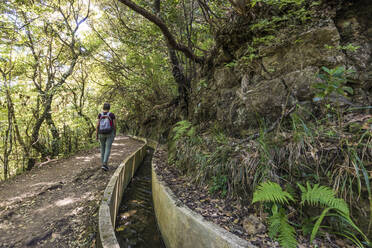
(56, 205)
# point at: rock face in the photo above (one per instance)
(239, 95)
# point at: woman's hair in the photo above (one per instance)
(106, 106)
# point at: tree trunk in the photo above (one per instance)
(182, 82)
(8, 139)
(177, 71)
(35, 143)
(92, 128)
(8, 143)
(18, 136)
(55, 135)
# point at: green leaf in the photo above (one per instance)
(322, 195)
(307, 226)
(338, 71)
(317, 224)
(279, 226)
(348, 89)
(320, 86)
(302, 188)
(271, 192)
(350, 236)
(274, 222)
(351, 223)
(322, 77)
(287, 237)
(340, 91)
(326, 69)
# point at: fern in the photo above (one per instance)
(317, 223)
(315, 196)
(351, 223)
(307, 225)
(274, 222)
(350, 236)
(279, 226)
(321, 195)
(287, 234)
(271, 192)
(181, 129)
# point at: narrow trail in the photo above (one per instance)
(56, 205)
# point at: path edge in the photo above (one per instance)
(181, 227)
(113, 194)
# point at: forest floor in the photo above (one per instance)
(56, 204)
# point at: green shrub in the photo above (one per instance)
(333, 81)
(219, 184)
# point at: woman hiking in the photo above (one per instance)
(106, 132)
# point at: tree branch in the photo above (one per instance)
(171, 41)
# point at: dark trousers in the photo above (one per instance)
(106, 142)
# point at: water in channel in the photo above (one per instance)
(136, 224)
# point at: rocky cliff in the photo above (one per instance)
(286, 96)
(262, 65)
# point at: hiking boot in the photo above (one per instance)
(104, 167)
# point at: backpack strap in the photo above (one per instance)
(107, 115)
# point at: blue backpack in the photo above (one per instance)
(105, 123)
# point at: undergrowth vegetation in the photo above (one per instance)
(329, 146)
(316, 151)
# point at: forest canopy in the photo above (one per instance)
(60, 60)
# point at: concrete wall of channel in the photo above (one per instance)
(113, 194)
(180, 227)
